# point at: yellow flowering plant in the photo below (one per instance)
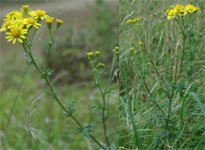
(183, 16)
(97, 69)
(19, 26)
(141, 52)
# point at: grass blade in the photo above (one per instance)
(198, 102)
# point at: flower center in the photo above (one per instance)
(40, 13)
(181, 12)
(30, 21)
(15, 33)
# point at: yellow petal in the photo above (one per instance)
(10, 40)
(14, 41)
(20, 40)
(8, 37)
(23, 37)
(8, 33)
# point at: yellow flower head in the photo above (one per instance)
(38, 14)
(59, 21)
(190, 8)
(131, 49)
(13, 15)
(167, 11)
(31, 22)
(25, 7)
(16, 33)
(128, 21)
(6, 26)
(171, 14)
(90, 54)
(180, 10)
(49, 20)
(133, 20)
(140, 43)
(197, 8)
(97, 52)
(178, 7)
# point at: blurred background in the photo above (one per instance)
(28, 119)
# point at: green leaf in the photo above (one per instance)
(137, 139)
(198, 102)
(50, 94)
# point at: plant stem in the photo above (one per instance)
(32, 38)
(103, 114)
(147, 88)
(176, 77)
(55, 97)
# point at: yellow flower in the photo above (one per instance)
(97, 52)
(197, 8)
(140, 43)
(167, 11)
(178, 7)
(128, 21)
(16, 32)
(31, 22)
(49, 20)
(25, 7)
(13, 15)
(171, 6)
(38, 14)
(131, 49)
(190, 8)
(171, 14)
(182, 12)
(90, 54)
(133, 21)
(59, 21)
(41, 14)
(5, 26)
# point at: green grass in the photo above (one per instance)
(185, 130)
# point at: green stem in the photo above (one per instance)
(32, 38)
(147, 88)
(103, 113)
(55, 97)
(178, 76)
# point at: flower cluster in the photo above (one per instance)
(180, 10)
(129, 21)
(19, 23)
(91, 54)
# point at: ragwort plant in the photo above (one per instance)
(18, 26)
(170, 85)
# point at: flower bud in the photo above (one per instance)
(97, 53)
(90, 54)
(58, 23)
(100, 66)
(25, 9)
